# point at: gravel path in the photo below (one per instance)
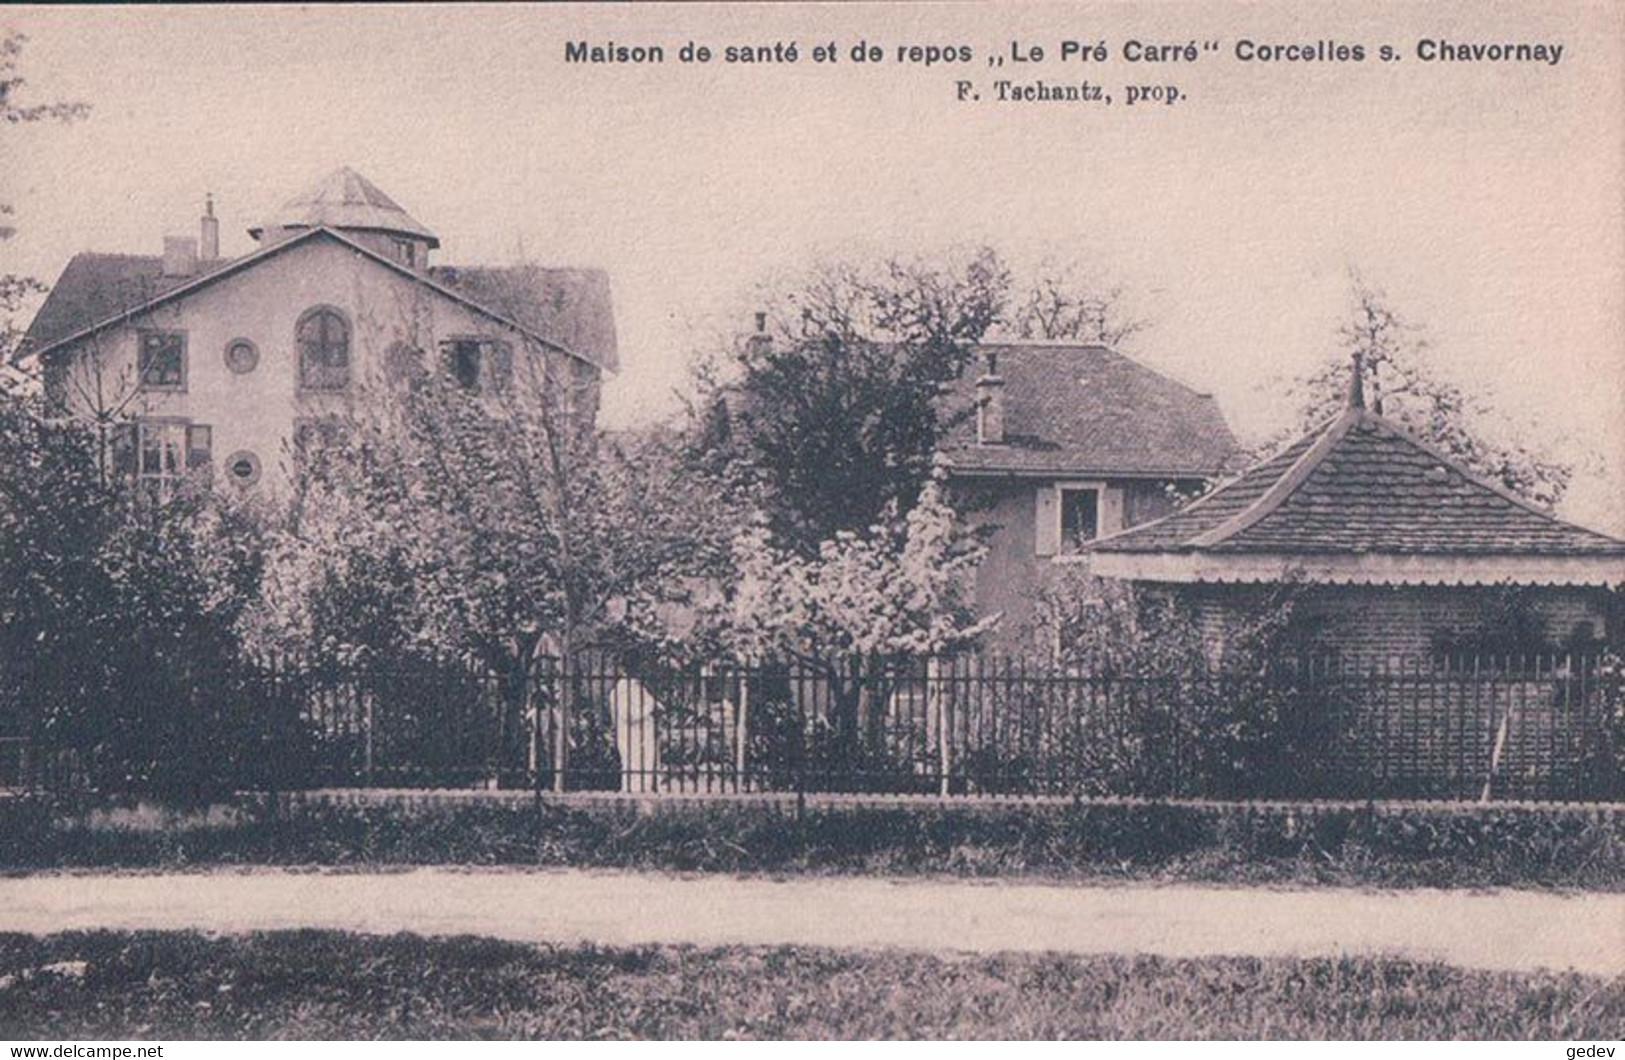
(1513, 930)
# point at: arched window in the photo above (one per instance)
(324, 350)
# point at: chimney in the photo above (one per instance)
(180, 255)
(209, 244)
(990, 404)
(1357, 382)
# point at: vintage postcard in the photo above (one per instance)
(805, 521)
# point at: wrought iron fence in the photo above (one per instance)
(1543, 728)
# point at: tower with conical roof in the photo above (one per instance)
(348, 202)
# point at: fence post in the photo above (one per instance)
(561, 736)
(1502, 734)
(799, 669)
(937, 706)
(742, 728)
(368, 696)
(533, 723)
(540, 671)
(530, 695)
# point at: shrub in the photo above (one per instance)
(1255, 715)
(117, 610)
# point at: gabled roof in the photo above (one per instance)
(98, 287)
(97, 291)
(1081, 409)
(1360, 494)
(346, 199)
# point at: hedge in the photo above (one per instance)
(1376, 845)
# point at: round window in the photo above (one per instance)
(241, 356)
(243, 467)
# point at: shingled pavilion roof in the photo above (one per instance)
(345, 199)
(1361, 500)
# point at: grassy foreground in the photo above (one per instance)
(311, 984)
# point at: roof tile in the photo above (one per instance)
(1074, 409)
(98, 287)
(1375, 489)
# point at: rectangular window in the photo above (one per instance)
(481, 365)
(162, 360)
(1080, 517)
(160, 452)
(463, 362)
(165, 451)
(406, 252)
(199, 446)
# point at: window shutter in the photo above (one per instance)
(1111, 510)
(1047, 521)
(199, 442)
(122, 446)
(54, 378)
(497, 367)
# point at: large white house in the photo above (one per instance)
(193, 359)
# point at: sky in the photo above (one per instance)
(1486, 199)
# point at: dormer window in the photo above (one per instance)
(990, 404)
(406, 252)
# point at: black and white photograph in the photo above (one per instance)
(875, 521)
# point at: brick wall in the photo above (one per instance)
(1391, 621)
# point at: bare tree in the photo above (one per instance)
(1059, 305)
(1399, 383)
(830, 418)
(17, 290)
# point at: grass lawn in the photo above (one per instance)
(311, 984)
